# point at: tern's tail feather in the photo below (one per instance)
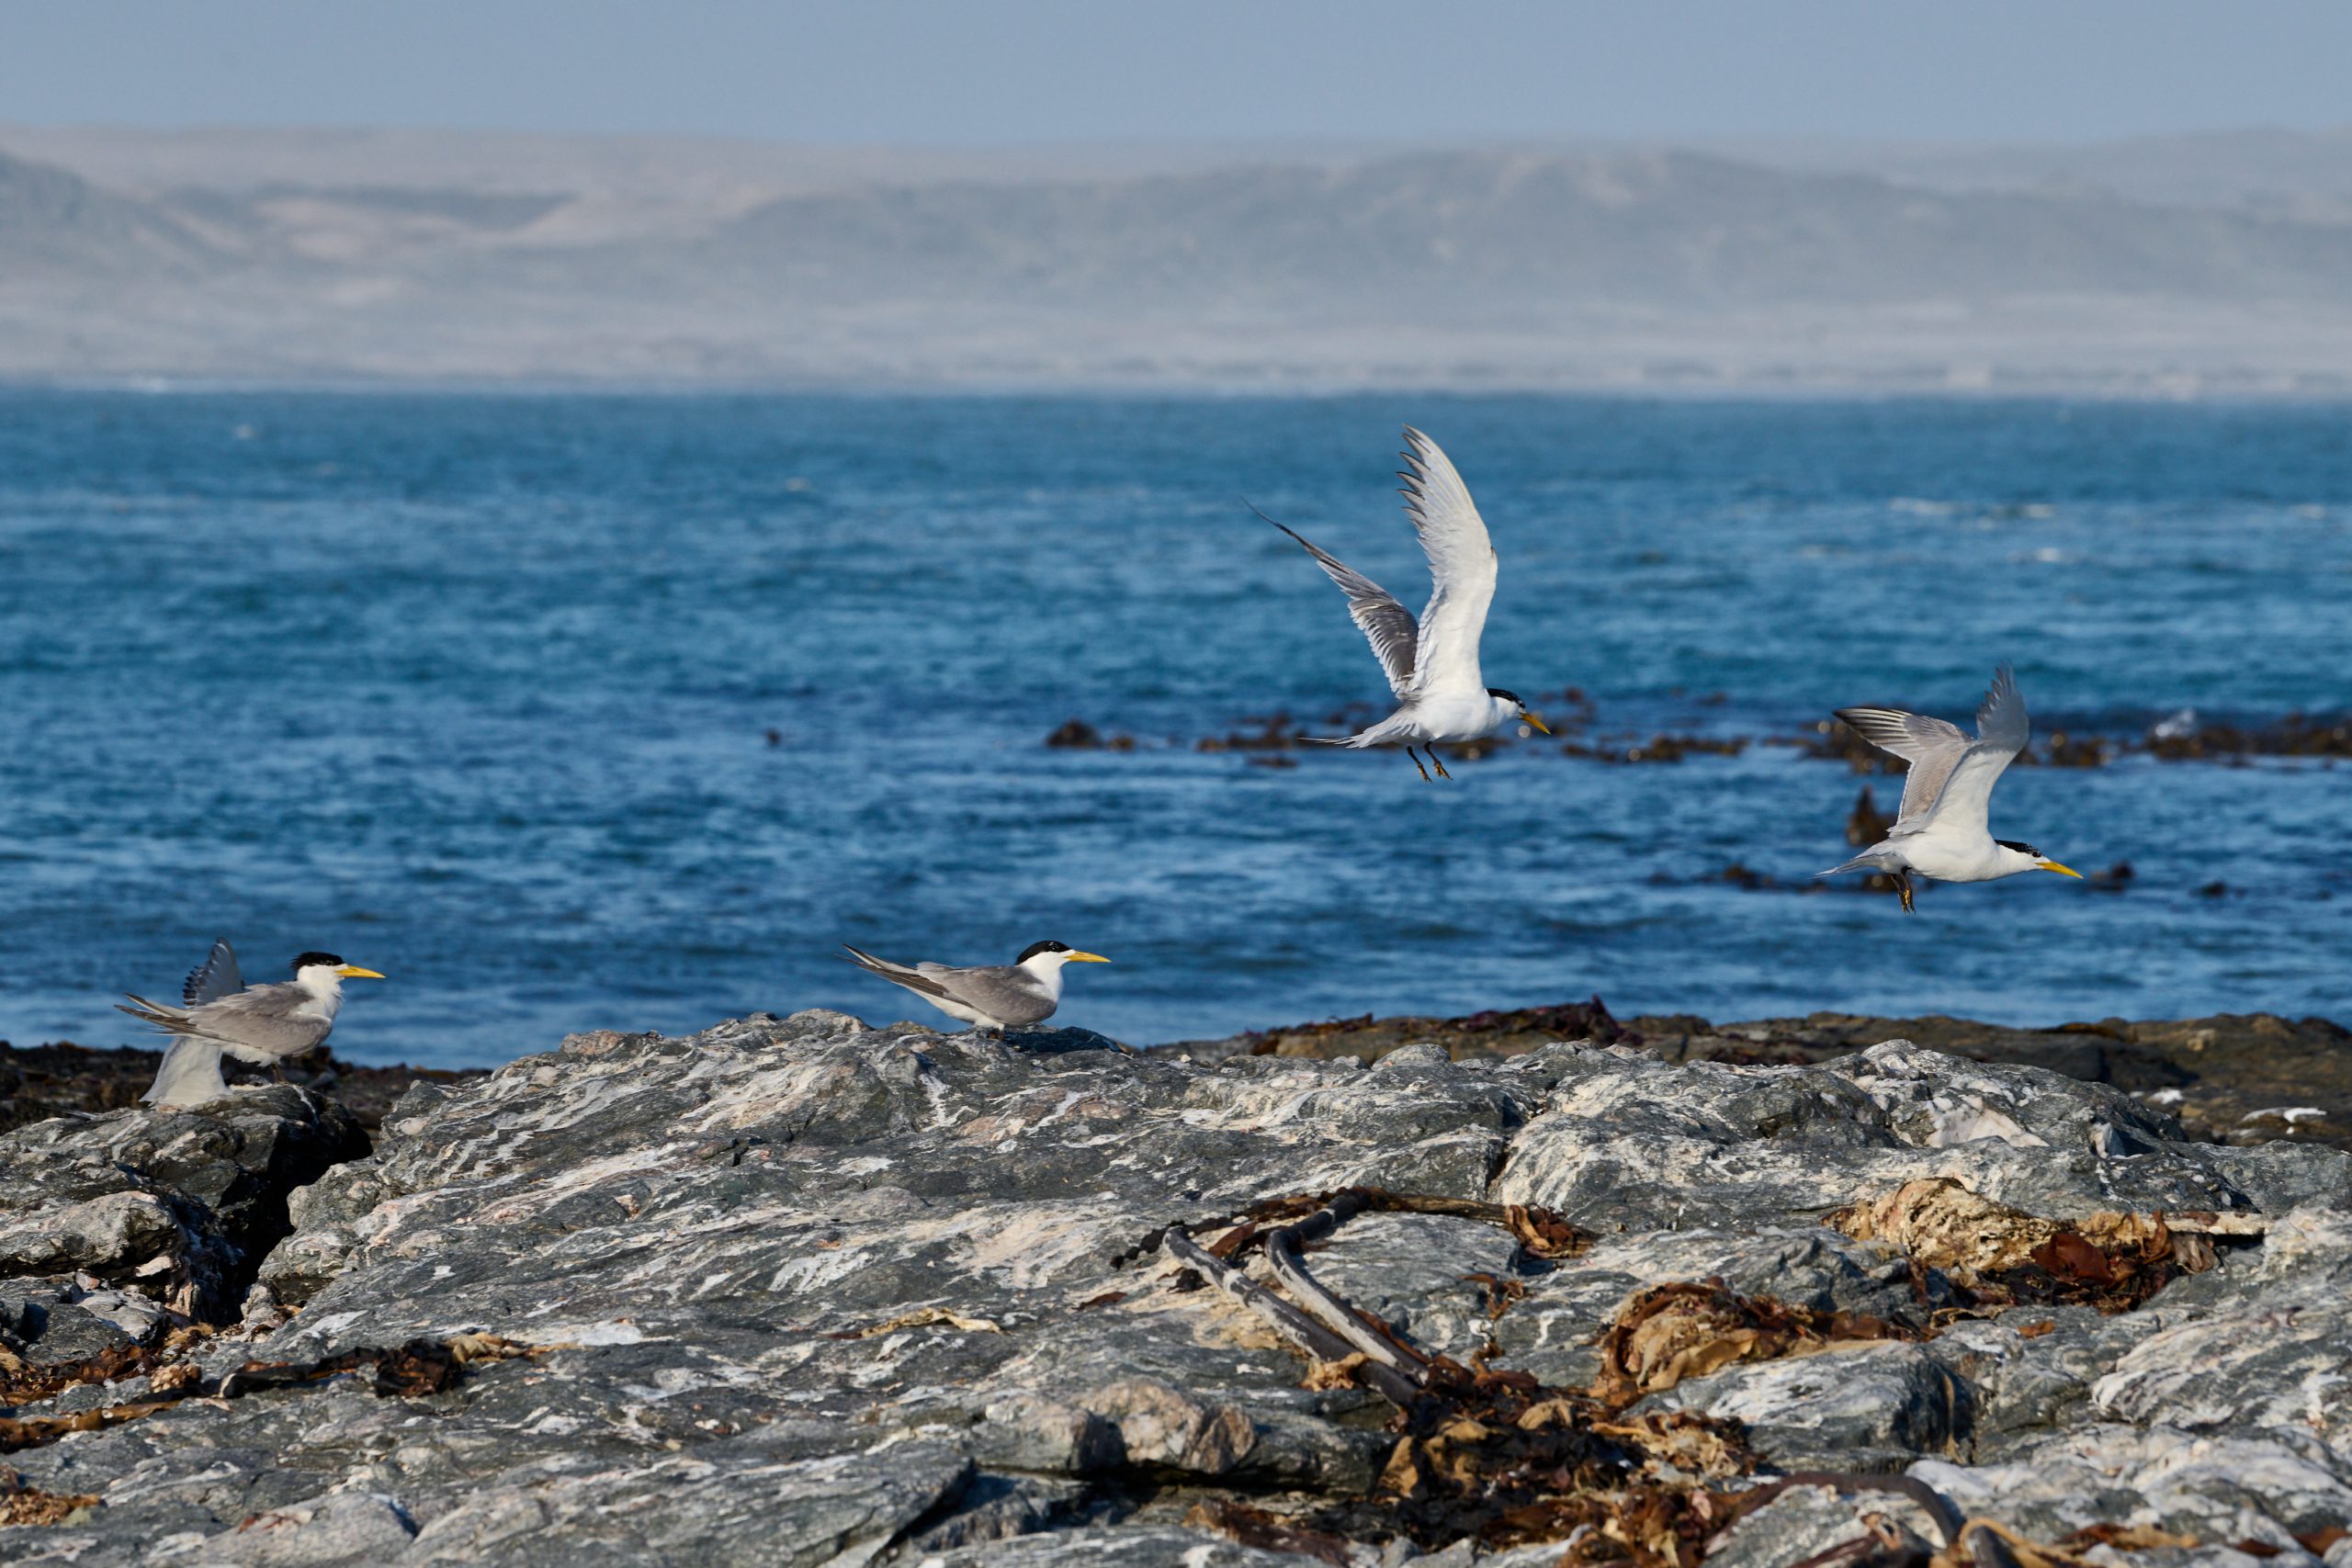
(157, 1013)
(190, 1074)
(1866, 862)
(881, 967)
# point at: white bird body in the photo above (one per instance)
(1447, 718)
(1945, 854)
(1432, 663)
(1943, 830)
(190, 1074)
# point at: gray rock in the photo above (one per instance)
(1805, 1521)
(805, 1292)
(180, 1205)
(47, 1321)
(1871, 1407)
(1625, 1139)
(1553, 1330)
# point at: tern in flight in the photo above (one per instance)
(996, 996)
(254, 1023)
(1942, 832)
(1432, 664)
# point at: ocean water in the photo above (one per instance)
(479, 691)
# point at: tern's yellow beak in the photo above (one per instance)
(1536, 722)
(353, 972)
(1087, 958)
(2061, 870)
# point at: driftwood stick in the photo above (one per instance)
(1283, 1255)
(1293, 1325)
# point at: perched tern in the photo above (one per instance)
(996, 996)
(1941, 831)
(254, 1023)
(1432, 664)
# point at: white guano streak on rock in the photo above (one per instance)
(583, 1177)
(1974, 1120)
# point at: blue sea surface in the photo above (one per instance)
(478, 689)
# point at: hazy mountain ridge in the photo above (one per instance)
(1474, 233)
(54, 224)
(1525, 266)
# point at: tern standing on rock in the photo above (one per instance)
(254, 1023)
(1942, 831)
(996, 996)
(1432, 664)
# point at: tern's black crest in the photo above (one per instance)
(2021, 848)
(1035, 948)
(1511, 697)
(328, 959)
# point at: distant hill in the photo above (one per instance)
(2289, 173)
(1487, 236)
(54, 224)
(430, 254)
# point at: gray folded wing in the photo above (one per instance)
(260, 1024)
(1003, 992)
(1006, 993)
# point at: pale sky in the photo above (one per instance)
(933, 72)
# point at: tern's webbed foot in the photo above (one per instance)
(1417, 762)
(1439, 763)
(1902, 887)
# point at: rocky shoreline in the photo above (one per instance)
(2232, 1078)
(1517, 1289)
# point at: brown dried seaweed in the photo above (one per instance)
(30, 1383)
(1686, 1329)
(1999, 1256)
(1492, 1454)
(1252, 1527)
(411, 1371)
(23, 1504)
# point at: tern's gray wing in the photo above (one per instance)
(1932, 747)
(2002, 731)
(216, 977)
(1462, 570)
(1387, 625)
(1005, 992)
(263, 1023)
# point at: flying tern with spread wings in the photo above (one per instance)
(1943, 833)
(1432, 663)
